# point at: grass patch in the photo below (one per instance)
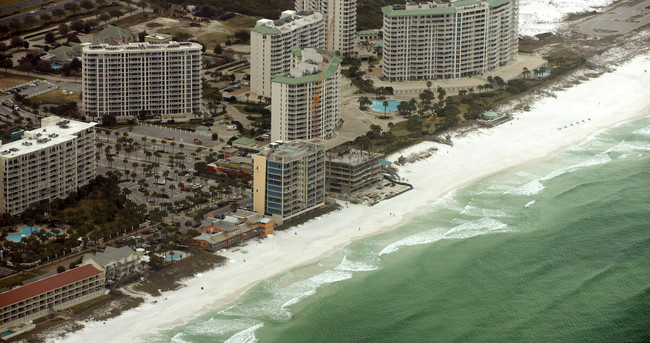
(56, 97)
(211, 39)
(10, 80)
(132, 20)
(311, 215)
(154, 24)
(240, 22)
(175, 31)
(19, 278)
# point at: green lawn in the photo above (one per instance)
(9, 80)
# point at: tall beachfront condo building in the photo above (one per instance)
(272, 40)
(292, 114)
(289, 179)
(438, 40)
(128, 80)
(344, 13)
(46, 164)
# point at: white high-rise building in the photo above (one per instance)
(437, 40)
(292, 115)
(272, 40)
(344, 13)
(289, 179)
(154, 80)
(47, 163)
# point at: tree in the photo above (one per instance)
(243, 35)
(72, 7)
(364, 102)
(215, 136)
(64, 29)
(60, 269)
(104, 17)
(29, 21)
(142, 4)
(116, 13)
(45, 17)
(27, 67)
(77, 25)
(16, 41)
(49, 38)
(217, 49)
(234, 206)
(87, 4)
(58, 12)
(6, 63)
(385, 106)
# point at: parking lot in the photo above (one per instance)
(32, 88)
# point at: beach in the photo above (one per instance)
(551, 126)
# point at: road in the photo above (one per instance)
(25, 4)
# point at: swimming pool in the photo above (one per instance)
(174, 256)
(24, 231)
(378, 105)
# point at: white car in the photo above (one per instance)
(32, 12)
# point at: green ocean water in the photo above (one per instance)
(555, 252)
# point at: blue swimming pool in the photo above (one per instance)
(378, 105)
(174, 256)
(6, 333)
(24, 231)
(544, 74)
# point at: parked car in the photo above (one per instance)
(165, 196)
(197, 141)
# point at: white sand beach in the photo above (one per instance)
(610, 99)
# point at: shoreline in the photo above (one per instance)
(511, 145)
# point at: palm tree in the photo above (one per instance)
(163, 142)
(153, 144)
(172, 188)
(385, 106)
(181, 146)
(135, 166)
(125, 163)
(173, 145)
(144, 140)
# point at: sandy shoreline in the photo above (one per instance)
(532, 137)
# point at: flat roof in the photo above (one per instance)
(243, 141)
(34, 140)
(288, 23)
(44, 285)
(331, 68)
(433, 8)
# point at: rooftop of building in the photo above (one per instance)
(288, 21)
(435, 7)
(293, 148)
(367, 32)
(54, 130)
(115, 33)
(109, 255)
(41, 286)
(346, 155)
(243, 141)
(119, 48)
(310, 67)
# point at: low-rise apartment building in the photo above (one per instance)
(40, 298)
(293, 115)
(272, 40)
(289, 179)
(349, 170)
(116, 262)
(436, 40)
(47, 163)
(159, 80)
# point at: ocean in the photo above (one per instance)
(555, 251)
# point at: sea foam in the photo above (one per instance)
(245, 336)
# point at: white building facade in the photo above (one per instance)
(272, 40)
(292, 115)
(437, 40)
(141, 79)
(344, 13)
(47, 163)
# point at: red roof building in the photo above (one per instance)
(50, 294)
